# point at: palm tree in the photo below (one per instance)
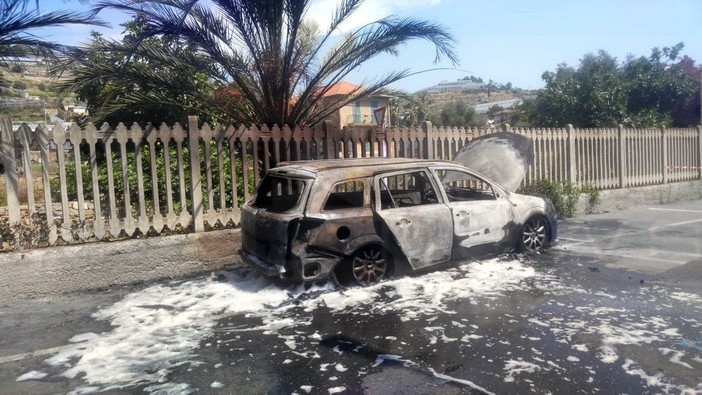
(160, 80)
(18, 22)
(271, 60)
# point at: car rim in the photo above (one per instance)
(534, 235)
(369, 265)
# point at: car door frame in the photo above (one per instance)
(410, 226)
(477, 224)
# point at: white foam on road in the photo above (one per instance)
(159, 329)
(32, 375)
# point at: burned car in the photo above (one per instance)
(361, 220)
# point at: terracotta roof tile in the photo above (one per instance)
(341, 88)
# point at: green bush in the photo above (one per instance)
(563, 195)
(21, 85)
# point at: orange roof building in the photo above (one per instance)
(359, 112)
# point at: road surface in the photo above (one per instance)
(616, 307)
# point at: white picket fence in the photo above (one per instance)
(154, 180)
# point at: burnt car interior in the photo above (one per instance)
(345, 195)
(277, 194)
(461, 186)
(406, 190)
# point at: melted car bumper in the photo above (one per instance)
(309, 267)
(266, 268)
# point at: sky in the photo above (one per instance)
(501, 40)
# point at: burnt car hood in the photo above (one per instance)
(503, 157)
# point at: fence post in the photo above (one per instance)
(622, 157)
(10, 163)
(506, 127)
(699, 150)
(429, 135)
(330, 150)
(195, 177)
(570, 138)
(664, 140)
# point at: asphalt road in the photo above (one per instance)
(616, 307)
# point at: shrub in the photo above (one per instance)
(563, 195)
(21, 85)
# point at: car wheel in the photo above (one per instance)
(369, 265)
(534, 235)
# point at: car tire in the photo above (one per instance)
(367, 266)
(534, 235)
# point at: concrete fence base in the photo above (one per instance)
(94, 266)
(57, 270)
(620, 199)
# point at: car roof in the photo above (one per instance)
(358, 165)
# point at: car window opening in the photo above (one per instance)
(278, 194)
(406, 190)
(345, 194)
(460, 186)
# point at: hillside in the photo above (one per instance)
(472, 93)
(29, 97)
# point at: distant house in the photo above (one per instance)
(74, 109)
(33, 65)
(359, 112)
(500, 117)
(456, 86)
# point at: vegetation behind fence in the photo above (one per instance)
(86, 184)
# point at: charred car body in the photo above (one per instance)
(363, 219)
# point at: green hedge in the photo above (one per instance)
(563, 195)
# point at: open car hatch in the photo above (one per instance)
(503, 157)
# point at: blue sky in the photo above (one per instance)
(503, 40)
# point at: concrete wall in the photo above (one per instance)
(620, 199)
(74, 268)
(94, 266)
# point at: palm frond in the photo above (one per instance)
(268, 53)
(18, 25)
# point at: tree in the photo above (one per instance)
(19, 84)
(456, 113)
(688, 112)
(494, 110)
(163, 80)
(408, 110)
(472, 78)
(18, 24)
(659, 86)
(520, 116)
(640, 92)
(591, 96)
(269, 58)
